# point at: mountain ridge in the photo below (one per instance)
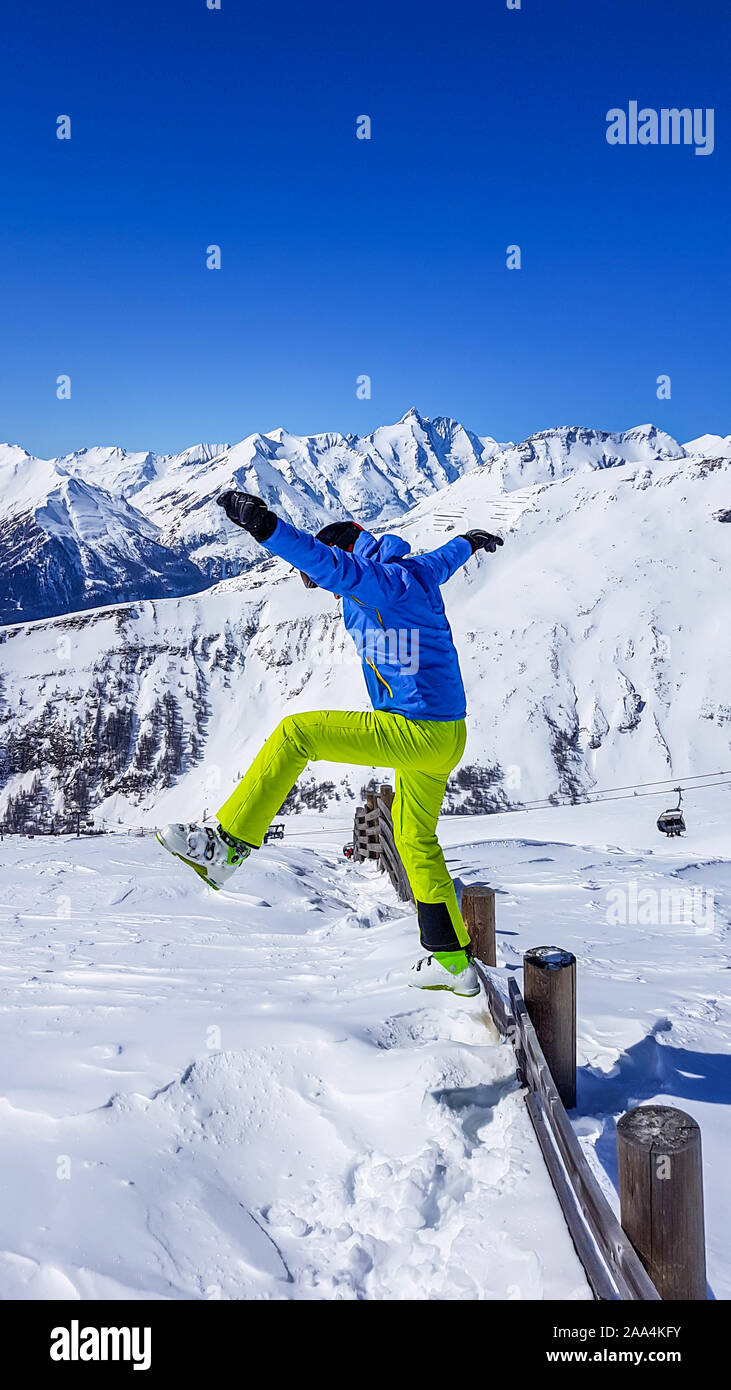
(168, 501)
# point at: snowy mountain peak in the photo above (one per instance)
(197, 453)
(709, 446)
(663, 444)
(13, 454)
(111, 467)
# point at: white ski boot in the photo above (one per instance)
(205, 848)
(429, 973)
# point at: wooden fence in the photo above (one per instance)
(659, 1157)
(612, 1266)
(659, 1216)
(373, 839)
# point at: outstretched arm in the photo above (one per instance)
(330, 567)
(441, 564)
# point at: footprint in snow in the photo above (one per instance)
(420, 1027)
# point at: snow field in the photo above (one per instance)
(234, 1095)
(251, 1104)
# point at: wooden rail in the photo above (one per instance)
(613, 1267)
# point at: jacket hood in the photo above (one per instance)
(381, 548)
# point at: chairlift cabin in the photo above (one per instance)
(671, 822)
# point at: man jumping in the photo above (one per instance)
(393, 609)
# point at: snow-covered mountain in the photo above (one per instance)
(168, 537)
(594, 648)
(66, 545)
(556, 453)
(165, 536)
(309, 480)
(710, 446)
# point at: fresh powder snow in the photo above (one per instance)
(236, 1095)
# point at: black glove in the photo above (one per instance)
(249, 512)
(482, 540)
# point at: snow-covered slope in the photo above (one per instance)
(595, 644)
(250, 1102)
(649, 921)
(153, 1032)
(594, 649)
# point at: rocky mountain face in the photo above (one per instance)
(593, 645)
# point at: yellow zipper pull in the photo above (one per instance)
(380, 677)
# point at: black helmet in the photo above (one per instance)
(343, 534)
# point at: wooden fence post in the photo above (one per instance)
(478, 910)
(549, 990)
(661, 1197)
(373, 835)
(359, 835)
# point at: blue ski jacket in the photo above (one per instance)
(393, 609)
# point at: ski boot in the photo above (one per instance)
(451, 970)
(207, 848)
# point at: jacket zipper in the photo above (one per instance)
(380, 677)
(375, 610)
(367, 660)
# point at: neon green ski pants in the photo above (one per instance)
(422, 753)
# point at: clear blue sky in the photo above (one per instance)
(342, 256)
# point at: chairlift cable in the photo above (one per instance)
(590, 798)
